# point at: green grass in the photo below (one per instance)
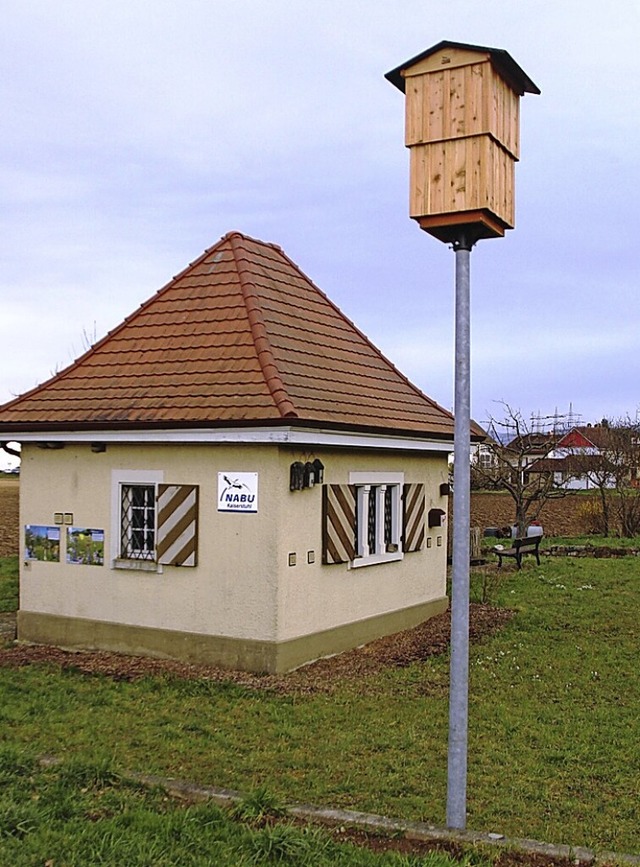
(592, 541)
(9, 583)
(553, 721)
(77, 814)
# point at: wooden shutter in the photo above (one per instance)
(413, 514)
(338, 523)
(177, 540)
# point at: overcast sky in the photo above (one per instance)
(137, 132)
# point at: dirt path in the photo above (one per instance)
(398, 651)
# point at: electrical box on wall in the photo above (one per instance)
(437, 517)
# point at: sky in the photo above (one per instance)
(137, 132)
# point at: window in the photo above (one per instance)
(374, 519)
(377, 520)
(138, 522)
(378, 517)
(153, 524)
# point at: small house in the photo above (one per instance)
(235, 475)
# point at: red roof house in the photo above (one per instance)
(235, 475)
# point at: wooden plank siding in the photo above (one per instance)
(462, 175)
(463, 101)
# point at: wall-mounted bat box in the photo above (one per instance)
(462, 130)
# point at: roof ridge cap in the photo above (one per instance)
(370, 343)
(259, 334)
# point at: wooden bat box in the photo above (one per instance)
(463, 133)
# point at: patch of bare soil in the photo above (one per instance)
(394, 651)
(507, 857)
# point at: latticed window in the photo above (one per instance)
(372, 520)
(377, 528)
(389, 540)
(138, 522)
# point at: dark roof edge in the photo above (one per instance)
(501, 59)
(6, 430)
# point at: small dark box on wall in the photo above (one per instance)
(437, 517)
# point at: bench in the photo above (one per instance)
(530, 545)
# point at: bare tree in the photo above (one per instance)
(519, 465)
(621, 454)
(608, 458)
(597, 465)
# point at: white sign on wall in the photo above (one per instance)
(237, 492)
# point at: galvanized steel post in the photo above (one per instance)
(459, 685)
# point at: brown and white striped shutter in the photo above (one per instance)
(338, 523)
(177, 540)
(413, 517)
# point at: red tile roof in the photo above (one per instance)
(241, 336)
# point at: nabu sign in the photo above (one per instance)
(237, 492)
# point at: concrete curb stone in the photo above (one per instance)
(374, 823)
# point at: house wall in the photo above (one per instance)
(232, 590)
(243, 605)
(316, 597)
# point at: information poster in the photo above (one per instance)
(42, 543)
(85, 546)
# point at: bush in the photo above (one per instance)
(591, 517)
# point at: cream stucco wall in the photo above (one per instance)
(233, 589)
(314, 597)
(243, 586)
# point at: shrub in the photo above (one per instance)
(591, 517)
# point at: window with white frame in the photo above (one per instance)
(153, 524)
(378, 517)
(375, 518)
(137, 522)
(133, 538)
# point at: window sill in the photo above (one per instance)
(137, 565)
(373, 559)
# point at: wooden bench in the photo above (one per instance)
(530, 545)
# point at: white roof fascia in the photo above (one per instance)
(277, 435)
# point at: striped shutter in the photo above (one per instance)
(413, 515)
(338, 523)
(177, 539)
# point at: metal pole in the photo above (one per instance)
(459, 685)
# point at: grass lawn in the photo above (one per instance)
(80, 815)
(554, 722)
(9, 583)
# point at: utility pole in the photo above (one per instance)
(462, 131)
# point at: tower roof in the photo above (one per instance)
(501, 59)
(240, 337)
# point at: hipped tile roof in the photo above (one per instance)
(241, 336)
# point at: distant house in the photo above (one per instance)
(577, 459)
(493, 459)
(234, 475)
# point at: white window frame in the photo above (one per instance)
(376, 484)
(120, 478)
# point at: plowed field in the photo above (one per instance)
(9, 519)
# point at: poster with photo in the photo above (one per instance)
(42, 543)
(85, 546)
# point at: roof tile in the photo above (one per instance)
(241, 335)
